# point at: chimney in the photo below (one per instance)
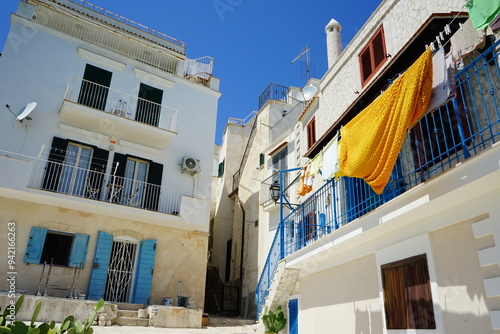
(333, 41)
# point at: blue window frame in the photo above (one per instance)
(56, 247)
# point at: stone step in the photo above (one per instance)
(128, 313)
(132, 321)
(218, 321)
(129, 306)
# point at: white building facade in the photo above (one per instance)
(422, 256)
(109, 177)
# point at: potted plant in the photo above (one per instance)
(274, 321)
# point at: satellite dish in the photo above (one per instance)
(27, 110)
(306, 93)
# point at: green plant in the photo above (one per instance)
(69, 325)
(274, 321)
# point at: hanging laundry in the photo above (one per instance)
(482, 12)
(371, 141)
(330, 159)
(317, 163)
(441, 86)
(465, 40)
(308, 178)
(306, 181)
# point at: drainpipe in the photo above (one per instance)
(240, 204)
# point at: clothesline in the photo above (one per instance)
(446, 31)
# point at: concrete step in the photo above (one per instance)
(132, 321)
(129, 306)
(218, 321)
(128, 313)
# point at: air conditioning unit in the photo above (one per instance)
(191, 165)
(119, 112)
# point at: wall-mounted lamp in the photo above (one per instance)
(274, 189)
(356, 92)
(388, 55)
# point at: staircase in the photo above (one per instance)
(128, 315)
(282, 286)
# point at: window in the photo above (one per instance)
(95, 87)
(373, 56)
(311, 133)
(59, 248)
(407, 294)
(262, 159)
(75, 168)
(279, 161)
(134, 183)
(137, 182)
(149, 105)
(221, 169)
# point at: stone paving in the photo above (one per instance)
(244, 329)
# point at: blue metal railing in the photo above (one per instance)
(273, 92)
(458, 130)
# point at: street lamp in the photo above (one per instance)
(275, 190)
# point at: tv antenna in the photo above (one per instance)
(305, 54)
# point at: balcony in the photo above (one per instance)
(71, 180)
(141, 42)
(273, 92)
(101, 109)
(461, 130)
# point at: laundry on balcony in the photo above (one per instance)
(466, 40)
(306, 181)
(482, 12)
(371, 141)
(443, 82)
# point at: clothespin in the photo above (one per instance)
(447, 29)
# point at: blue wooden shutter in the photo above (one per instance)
(99, 273)
(144, 273)
(54, 165)
(35, 245)
(78, 251)
(293, 316)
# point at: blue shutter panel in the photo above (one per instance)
(293, 316)
(144, 274)
(35, 245)
(99, 273)
(78, 251)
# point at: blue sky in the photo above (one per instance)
(252, 42)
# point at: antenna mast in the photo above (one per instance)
(306, 54)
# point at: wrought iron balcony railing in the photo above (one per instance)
(273, 92)
(69, 178)
(115, 102)
(461, 129)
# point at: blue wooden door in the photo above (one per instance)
(293, 316)
(144, 272)
(99, 272)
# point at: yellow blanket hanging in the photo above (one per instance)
(371, 141)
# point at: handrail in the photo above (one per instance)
(119, 103)
(128, 21)
(90, 183)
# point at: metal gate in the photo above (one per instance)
(121, 270)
